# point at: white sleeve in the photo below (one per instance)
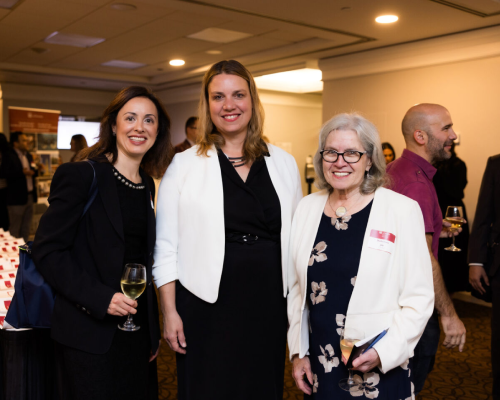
(416, 292)
(167, 234)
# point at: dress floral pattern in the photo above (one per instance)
(331, 277)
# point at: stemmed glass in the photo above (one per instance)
(454, 215)
(347, 340)
(133, 283)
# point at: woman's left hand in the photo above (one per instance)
(153, 356)
(366, 362)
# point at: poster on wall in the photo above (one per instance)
(33, 120)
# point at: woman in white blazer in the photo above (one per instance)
(359, 264)
(224, 216)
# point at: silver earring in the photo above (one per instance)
(114, 133)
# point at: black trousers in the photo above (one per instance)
(495, 335)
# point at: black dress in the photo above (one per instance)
(237, 345)
(331, 277)
(124, 372)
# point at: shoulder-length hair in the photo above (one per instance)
(254, 146)
(158, 157)
(369, 137)
(80, 142)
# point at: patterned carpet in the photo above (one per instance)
(464, 376)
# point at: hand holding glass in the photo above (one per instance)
(133, 283)
(454, 215)
(347, 341)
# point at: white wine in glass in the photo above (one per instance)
(454, 215)
(347, 340)
(133, 283)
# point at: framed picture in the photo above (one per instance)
(47, 141)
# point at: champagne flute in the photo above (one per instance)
(133, 283)
(347, 340)
(454, 215)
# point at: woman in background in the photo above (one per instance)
(78, 143)
(389, 153)
(83, 256)
(4, 214)
(224, 214)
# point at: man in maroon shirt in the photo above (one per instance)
(428, 133)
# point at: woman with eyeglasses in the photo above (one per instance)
(359, 264)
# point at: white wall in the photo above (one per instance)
(470, 90)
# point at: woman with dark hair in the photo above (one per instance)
(389, 153)
(224, 214)
(78, 143)
(82, 254)
(4, 214)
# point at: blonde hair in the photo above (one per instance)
(369, 137)
(254, 146)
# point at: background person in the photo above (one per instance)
(389, 153)
(20, 172)
(78, 143)
(428, 134)
(4, 214)
(484, 255)
(83, 258)
(338, 282)
(191, 134)
(224, 214)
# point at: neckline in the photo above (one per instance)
(356, 213)
(126, 182)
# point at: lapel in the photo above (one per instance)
(109, 195)
(149, 193)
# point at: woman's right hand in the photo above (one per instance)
(121, 305)
(173, 332)
(301, 367)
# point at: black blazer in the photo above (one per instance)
(82, 258)
(17, 189)
(486, 227)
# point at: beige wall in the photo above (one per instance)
(469, 89)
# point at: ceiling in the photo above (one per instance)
(285, 34)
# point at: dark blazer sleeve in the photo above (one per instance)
(485, 215)
(56, 236)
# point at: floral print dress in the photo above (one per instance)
(331, 277)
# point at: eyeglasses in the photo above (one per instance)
(350, 157)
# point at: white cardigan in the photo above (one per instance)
(391, 290)
(190, 236)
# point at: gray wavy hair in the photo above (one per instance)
(369, 137)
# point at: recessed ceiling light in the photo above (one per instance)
(70, 39)
(386, 19)
(213, 52)
(218, 35)
(177, 63)
(40, 50)
(303, 80)
(123, 64)
(123, 7)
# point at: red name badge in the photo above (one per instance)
(7, 304)
(12, 275)
(380, 240)
(8, 285)
(2, 319)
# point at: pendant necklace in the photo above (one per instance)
(342, 217)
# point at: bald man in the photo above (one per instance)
(428, 133)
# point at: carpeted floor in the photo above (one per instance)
(464, 376)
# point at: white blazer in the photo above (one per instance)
(391, 289)
(190, 235)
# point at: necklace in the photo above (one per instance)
(342, 217)
(237, 161)
(125, 181)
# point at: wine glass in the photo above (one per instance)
(348, 338)
(133, 283)
(454, 215)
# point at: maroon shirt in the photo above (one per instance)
(412, 176)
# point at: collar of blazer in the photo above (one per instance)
(108, 193)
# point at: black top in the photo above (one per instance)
(135, 227)
(262, 210)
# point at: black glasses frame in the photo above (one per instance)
(361, 153)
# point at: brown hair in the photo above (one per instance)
(158, 157)
(254, 146)
(80, 142)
